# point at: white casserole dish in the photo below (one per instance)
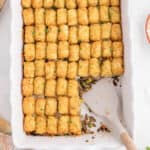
(21, 140)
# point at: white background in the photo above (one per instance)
(138, 12)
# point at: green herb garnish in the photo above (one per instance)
(54, 7)
(33, 33)
(46, 30)
(111, 50)
(90, 125)
(79, 41)
(59, 30)
(70, 121)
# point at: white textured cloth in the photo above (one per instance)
(6, 142)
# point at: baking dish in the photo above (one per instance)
(101, 141)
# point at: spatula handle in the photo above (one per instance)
(128, 142)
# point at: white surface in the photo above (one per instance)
(139, 11)
(100, 141)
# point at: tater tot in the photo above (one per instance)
(50, 70)
(50, 17)
(40, 50)
(39, 68)
(29, 52)
(39, 83)
(92, 2)
(72, 17)
(106, 30)
(70, 4)
(116, 34)
(75, 125)
(37, 3)
(94, 67)
(50, 89)
(114, 2)
(73, 88)
(28, 69)
(82, 3)
(73, 35)
(26, 3)
(59, 3)
(28, 16)
(96, 50)
(40, 33)
(63, 49)
(27, 86)
(104, 14)
(48, 3)
(61, 86)
(95, 32)
(83, 34)
(51, 51)
(40, 106)
(117, 67)
(72, 70)
(104, 2)
(115, 14)
(117, 48)
(51, 106)
(52, 125)
(83, 68)
(63, 33)
(84, 50)
(29, 123)
(63, 125)
(52, 33)
(107, 48)
(29, 34)
(74, 105)
(61, 68)
(61, 16)
(93, 15)
(83, 16)
(106, 68)
(74, 53)
(40, 125)
(28, 105)
(39, 16)
(63, 105)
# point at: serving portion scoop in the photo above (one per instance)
(104, 102)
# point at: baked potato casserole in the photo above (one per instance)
(65, 40)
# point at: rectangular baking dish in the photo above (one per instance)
(20, 139)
